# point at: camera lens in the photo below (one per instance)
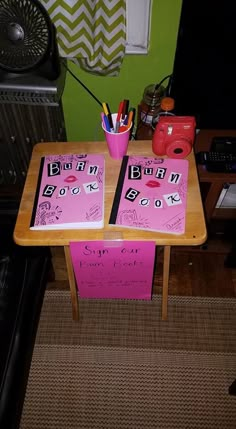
(178, 150)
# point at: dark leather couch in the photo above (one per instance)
(23, 277)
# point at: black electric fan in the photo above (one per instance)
(27, 39)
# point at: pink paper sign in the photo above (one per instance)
(113, 269)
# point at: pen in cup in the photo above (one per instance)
(105, 121)
(104, 106)
(130, 117)
(108, 114)
(125, 111)
(119, 117)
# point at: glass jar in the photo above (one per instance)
(151, 103)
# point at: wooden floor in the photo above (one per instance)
(193, 272)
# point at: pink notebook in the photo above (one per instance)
(151, 194)
(70, 192)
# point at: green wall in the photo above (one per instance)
(82, 113)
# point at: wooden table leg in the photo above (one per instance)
(72, 283)
(166, 270)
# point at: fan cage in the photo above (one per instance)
(25, 35)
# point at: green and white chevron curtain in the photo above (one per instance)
(90, 32)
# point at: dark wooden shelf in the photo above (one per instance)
(215, 181)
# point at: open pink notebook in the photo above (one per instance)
(151, 194)
(70, 192)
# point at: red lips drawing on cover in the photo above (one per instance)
(70, 179)
(153, 184)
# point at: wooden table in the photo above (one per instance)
(195, 233)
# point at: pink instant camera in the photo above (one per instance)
(174, 136)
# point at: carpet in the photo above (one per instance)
(121, 367)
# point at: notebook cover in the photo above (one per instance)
(70, 192)
(151, 194)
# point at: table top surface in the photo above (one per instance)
(195, 231)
